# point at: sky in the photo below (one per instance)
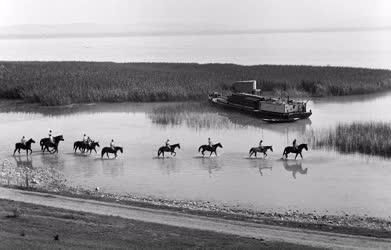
(200, 14)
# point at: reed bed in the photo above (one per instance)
(60, 83)
(370, 138)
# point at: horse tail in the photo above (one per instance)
(41, 142)
(158, 152)
(199, 149)
(251, 150)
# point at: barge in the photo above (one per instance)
(247, 98)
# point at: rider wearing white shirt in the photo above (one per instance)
(23, 141)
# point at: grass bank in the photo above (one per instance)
(370, 138)
(59, 83)
(29, 226)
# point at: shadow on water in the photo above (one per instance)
(294, 167)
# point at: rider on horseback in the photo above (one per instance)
(112, 145)
(23, 141)
(260, 144)
(210, 143)
(168, 144)
(50, 136)
(85, 139)
(294, 144)
(89, 141)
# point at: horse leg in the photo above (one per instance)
(174, 153)
(296, 155)
(15, 150)
(115, 154)
(301, 155)
(31, 151)
(210, 153)
(107, 154)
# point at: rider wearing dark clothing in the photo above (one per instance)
(294, 144)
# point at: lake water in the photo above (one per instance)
(324, 181)
(359, 49)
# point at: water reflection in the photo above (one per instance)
(204, 116)
(294, 167)
(211, 164)
(261, 164)
(168, 165)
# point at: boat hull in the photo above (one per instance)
(264, 115)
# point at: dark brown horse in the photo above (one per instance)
(264, 149)
(212, 149)
(170, 149)
(296, 151)
(46, 144)
(27, 146)
(107, 150)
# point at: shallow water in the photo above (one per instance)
(324, 181)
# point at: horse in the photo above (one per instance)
(26, 146)
(82, 146)
(92, 146)
(263, 150)
(79, 145)
(107, 150)
(167, 149)
(297, 151)
(46, 144)
(212, 149)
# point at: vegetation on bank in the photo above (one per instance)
(371, 138)
(59, 83)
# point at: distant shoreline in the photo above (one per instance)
(61, 83)
(105, 34)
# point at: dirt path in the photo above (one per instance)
(244, 229)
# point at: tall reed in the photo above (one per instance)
(371, 138)
(58, 83)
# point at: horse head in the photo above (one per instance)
(97, 144)
(305, 146)
(218, 145)
(59, 138)
(120, 149)
(30, 141)
(179, 146)
(271, 148)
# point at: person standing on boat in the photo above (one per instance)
(168, 144)
(294, 144)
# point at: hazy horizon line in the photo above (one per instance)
(188, 32)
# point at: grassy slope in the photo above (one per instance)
(57, 83)
(36, 226)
